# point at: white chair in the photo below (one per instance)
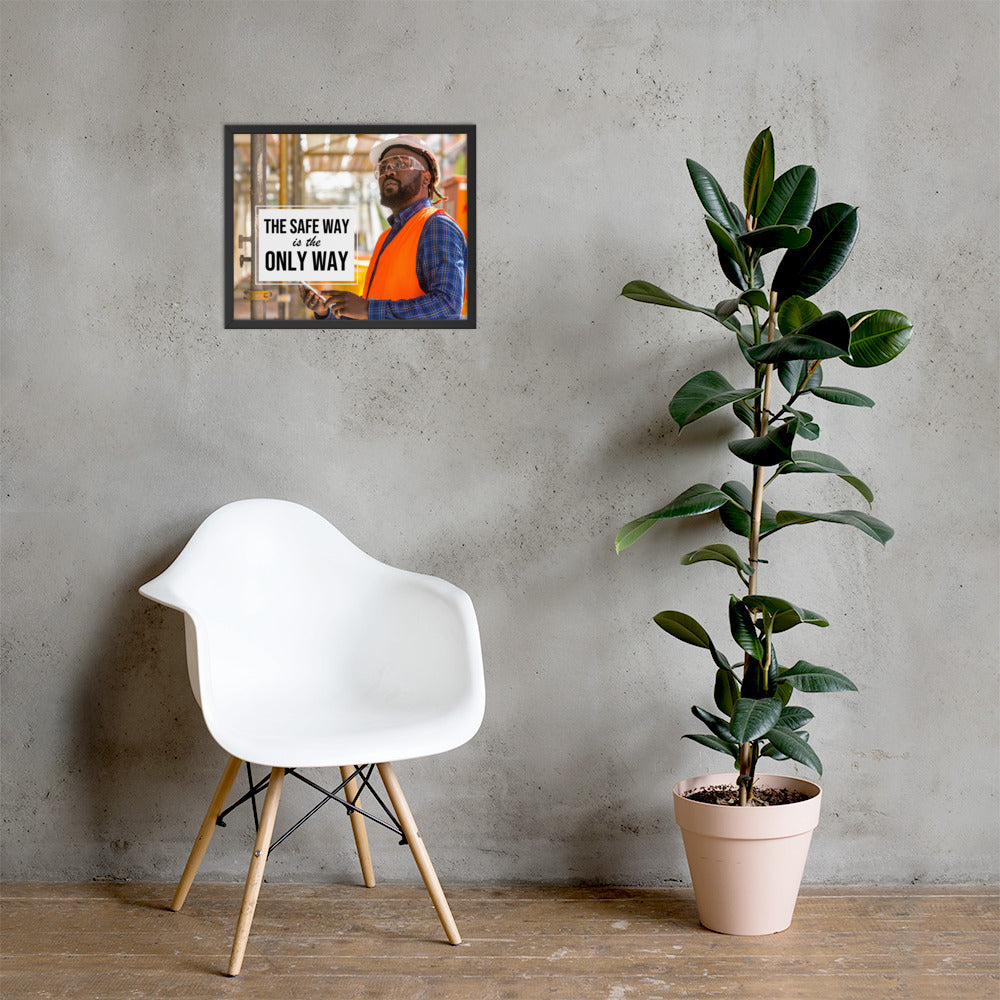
(303, 651)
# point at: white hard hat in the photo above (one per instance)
(413, 142)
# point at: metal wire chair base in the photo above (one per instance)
(362, 774)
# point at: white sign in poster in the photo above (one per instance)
(305, 244)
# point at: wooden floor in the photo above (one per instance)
(104, 941)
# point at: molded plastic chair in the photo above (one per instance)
(303, 651)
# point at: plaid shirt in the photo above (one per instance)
(441, 263)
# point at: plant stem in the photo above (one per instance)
(772, 326)
(763, 421)
(746, 773)
(757, 506)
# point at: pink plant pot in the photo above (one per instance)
(746, 863)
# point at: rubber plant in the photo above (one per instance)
(786, 340)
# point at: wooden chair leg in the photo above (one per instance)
(420, 854)
(256, 873)
(204, 837)
(358, 826)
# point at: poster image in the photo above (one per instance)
(337, 227)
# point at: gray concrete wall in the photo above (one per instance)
(503, 458)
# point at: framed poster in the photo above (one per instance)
(339, 226)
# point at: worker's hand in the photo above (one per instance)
(347, 305)
(316, 303)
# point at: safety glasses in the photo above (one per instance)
(398, 163)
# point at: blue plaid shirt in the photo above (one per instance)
(441, 265)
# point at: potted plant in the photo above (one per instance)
(785, 338)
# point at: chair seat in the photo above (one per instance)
(302, 730)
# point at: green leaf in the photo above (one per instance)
(731, 749)
(878, 337)
(743, 630)
(777, 607)
(794, 746)
(727, 691)
(631, 532)
(683, 627)
(713, 198)
(784, 620)
(745, 343)
(758, 173)
(829, 336)
(718, 553)
(872, 526)
(737, 520)
(816, 680)
(816, 461)
(795, 347)
(805, 271)
(727, 242)
(720, 661)
(733, 271)
(728, 245)
(755, 685)
(793, 198)
(736, 268)
(862, 487)
(756, 298)
(724, 309)
(720, 727)
(645, 291)
(698, 499)
(738, 493)
(744, 414)
(794, 717)
(770, 238)
(753, 717)
(846, 397)
(795, 312)
(770, 750)
(703, 394)
(736, 514)
(793, 375)
(772, 448)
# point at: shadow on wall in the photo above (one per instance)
(146, 746)
(625, 824)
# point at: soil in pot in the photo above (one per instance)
(729, 795)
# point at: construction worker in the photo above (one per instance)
(417, 271)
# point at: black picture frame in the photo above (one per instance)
(325, 172)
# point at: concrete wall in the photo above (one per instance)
(503, 458)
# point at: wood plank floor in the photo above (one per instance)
(110, 941)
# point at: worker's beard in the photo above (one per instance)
(401, 193)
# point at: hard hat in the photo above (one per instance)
(413, 142)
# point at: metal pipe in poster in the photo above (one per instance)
(284, 186)
(258, 196)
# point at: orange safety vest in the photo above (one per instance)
(392, 273)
